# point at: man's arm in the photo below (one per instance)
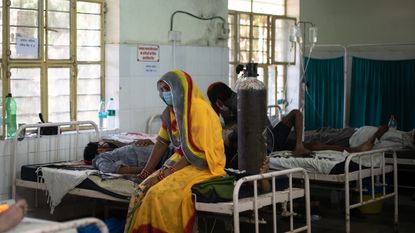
(156, 155)
(129, 170)
(143, 142)
(105, 163)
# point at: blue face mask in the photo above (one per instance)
(168, 98)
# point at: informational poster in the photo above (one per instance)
(27, 46)
(148, 53)
(151, 68)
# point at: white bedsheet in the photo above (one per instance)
(321, 163)
(128, 138)
(391, 139)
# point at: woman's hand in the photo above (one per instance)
(151, 181)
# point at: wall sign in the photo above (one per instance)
(148, 53)
(26, 46)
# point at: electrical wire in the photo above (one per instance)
(197, 17)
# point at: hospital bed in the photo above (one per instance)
(238, 205)
(376, 169)
(60, 147)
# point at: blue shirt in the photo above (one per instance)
(129, 155)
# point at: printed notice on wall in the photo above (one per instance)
(148, 53)
(27, 46)
(151, 68)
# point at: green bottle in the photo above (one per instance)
(11, 115)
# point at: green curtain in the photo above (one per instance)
(324, 96)
(381, 89)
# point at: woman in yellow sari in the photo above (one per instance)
(163, 201)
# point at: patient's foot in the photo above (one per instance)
(380, 132)
(368, 145)
(265, 166)
(264, 184)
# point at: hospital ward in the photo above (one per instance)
(207, 116)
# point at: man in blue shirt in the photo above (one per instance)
(128, 159)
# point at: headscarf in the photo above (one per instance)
(199, 127)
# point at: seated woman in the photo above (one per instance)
(163, 201)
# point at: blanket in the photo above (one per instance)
(59, 182)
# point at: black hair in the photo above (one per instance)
(239, 68)
(219, 90)
(90, 151)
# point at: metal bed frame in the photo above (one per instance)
(374, 173)
(52, 227)
(254, 203)
(16, 182)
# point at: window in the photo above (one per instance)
(259, 32)
(52, 59)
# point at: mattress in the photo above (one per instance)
(28, 173)
(319, 162)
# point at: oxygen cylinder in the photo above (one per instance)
(252, 121)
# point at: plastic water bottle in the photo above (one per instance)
(111, 113)
(102, 114)
(393, 124)
(11, 109)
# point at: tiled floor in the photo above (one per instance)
(332, 219)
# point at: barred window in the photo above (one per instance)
(259, 32)
(52, 60)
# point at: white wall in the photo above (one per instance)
(357, 22)
(148, 21)
(202, 52)
(139, 97)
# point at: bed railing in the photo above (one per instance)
(59, 227)
(273, 175)
(361, 173)
(37, 128)
(150, 123)
(269, 198)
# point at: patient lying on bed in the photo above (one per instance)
(330, 158)
(128, 159)
(363, 139)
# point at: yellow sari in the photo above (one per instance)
(194, 129)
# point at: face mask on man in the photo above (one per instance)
(168, 98)
(226, 113)
(223, 108)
